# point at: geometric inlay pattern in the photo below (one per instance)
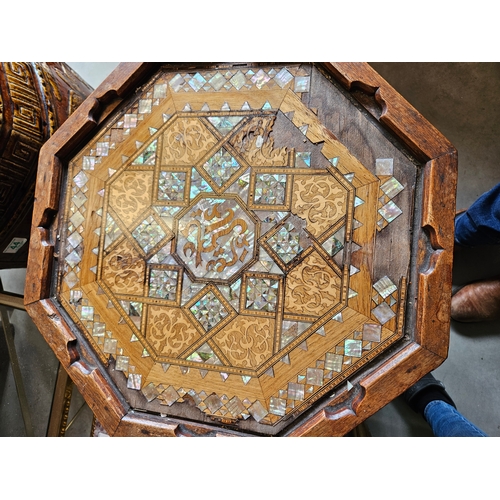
(218, 246)
(208, 311)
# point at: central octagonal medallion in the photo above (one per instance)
(215, 238)
(221, 253)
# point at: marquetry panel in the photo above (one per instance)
(219, 245)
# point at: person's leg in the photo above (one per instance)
(446, 421)
(478, 301)
(480, 223)
(429, 398)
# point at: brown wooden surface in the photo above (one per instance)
(373, 387)
(136, 425)
(434, 297)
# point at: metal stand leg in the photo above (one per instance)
(61, 402)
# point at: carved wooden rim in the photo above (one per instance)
(400, 370)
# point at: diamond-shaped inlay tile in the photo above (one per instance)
(196, 82)
(221, 166)
(286, 242)
(262, 294)
(134, 381)
(148, 234)
(77, 218)
(314, 376)
(302, 84)
(384, 166)
(390, 211)
(283, 77)
(383, 313)
(392, 187)
(171, 186)
(217, 81)
(213, 403)
(148, 157)
(295, 391)
(372, 332)
(277, 406)
(73, 258)
(260, 78)
(209, 311)
(385, 287)
(238, 80)
(79, 199)
(353, 347)
(270, 189)
(333, 362)
(163, 284)
(80, 179)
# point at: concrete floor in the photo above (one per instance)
(460, 99)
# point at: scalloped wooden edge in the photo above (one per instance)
(373, 390)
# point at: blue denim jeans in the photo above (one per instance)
(480, 224)
(446, 421)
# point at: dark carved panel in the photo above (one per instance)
(35, 99)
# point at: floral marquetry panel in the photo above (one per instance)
(235, 245)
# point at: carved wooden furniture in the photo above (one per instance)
(35, 98)
(243, 249)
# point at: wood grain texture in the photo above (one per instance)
(435, 278)
(12, 300)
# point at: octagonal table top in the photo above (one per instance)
(236, 244)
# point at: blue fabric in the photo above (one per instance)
(446, 421)
(480, 224)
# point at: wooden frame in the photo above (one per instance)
(409, 359)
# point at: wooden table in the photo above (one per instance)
(243, 249)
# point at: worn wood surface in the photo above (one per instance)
(329, 133)
(435, 276)
(397, 114)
